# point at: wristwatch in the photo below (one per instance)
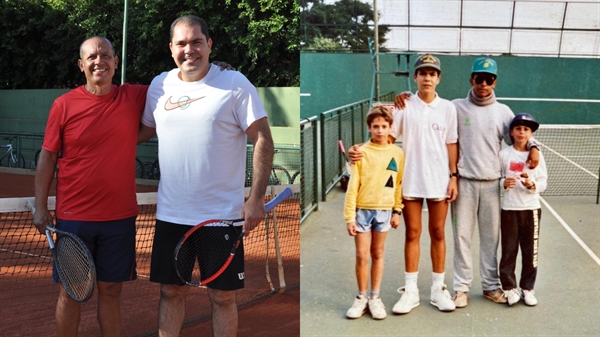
(396, 212)
(454, 174)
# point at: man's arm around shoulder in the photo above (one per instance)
(145, 133)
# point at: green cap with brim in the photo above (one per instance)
(485, 65)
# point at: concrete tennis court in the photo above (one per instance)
(567, 286)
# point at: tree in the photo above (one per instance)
(346, 22)
(37, 43)
(41, 38)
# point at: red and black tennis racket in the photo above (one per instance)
(207, 249)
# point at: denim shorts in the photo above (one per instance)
(373, 220)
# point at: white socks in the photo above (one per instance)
(438, 280)
(410, 280)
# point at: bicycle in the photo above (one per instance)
(155, 170)
(37, 157)
(148, 170)
(298, 176)
(139, 168)
(10, 157)
(279, 175)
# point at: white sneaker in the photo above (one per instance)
(529, 298)
(359, 307)
(461, 299)
(513, 296)
(408, 301)
(377, 308)
(440, 297)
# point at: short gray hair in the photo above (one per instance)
(95, 37)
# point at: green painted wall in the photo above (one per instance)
(27, 111)
(337, 79)
(333, 80)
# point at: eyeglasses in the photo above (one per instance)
(489, 79)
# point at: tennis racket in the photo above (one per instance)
(208, 248)
(348, 167)
(74, 263)
(73, 260)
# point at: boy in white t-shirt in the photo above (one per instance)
(429, 137)
(521, 211)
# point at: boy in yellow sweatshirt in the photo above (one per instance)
(373, 205)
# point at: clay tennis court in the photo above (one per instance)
(268, 314)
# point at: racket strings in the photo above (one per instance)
(205, 253)
(76, 271)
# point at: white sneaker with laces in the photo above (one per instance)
(408, 301)
(529, 298)
(513, 296)
(440, 298)
(377, 308)
(358, 308)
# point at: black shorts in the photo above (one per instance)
(162, 267)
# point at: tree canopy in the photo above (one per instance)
(343, 25)
(41, 38)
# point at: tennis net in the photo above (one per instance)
(28, 296)
(572, 154)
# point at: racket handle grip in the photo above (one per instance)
(341, 144)
(29, 204)
(50, 240)
(278, 199)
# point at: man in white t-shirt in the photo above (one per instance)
(202, 118)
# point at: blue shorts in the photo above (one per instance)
(112, 244)
(162, 267)
(373, 220)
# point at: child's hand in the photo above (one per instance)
(510, 183)
(351, 227)
(526, 182)
(395, 222)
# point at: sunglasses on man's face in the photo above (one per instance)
(489, 80)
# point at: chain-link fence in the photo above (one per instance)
(346, 123)
(309, 192)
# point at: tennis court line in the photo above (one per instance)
(570, 161)
(570, 231)
(23, 253)
(570, 100)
